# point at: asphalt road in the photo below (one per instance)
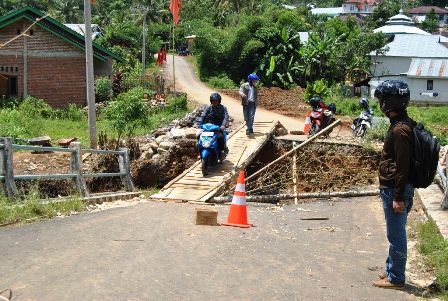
(153, 251)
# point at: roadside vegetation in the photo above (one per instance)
(31, 209)
(435, 249)
(33, 118)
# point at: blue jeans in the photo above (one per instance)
(249, 115)
(396, 233)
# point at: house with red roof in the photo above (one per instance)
(419, 14)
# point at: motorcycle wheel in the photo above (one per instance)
(314, 129)
(205, 165)
(360, 131)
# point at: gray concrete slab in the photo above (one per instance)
(153, 251)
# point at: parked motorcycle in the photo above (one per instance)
(321, 116)
(364, 121)
(208, 146)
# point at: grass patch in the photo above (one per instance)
(435, 249)
(32, 210)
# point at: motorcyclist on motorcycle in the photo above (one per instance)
(365, 118)
(321, 116)
(217, 114)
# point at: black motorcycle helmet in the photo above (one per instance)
(393, 95)
(314, 101)
(215, 96)
(364, 103)
(332, 107)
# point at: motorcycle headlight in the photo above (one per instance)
(206, 144)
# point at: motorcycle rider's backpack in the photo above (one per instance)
(425, 155)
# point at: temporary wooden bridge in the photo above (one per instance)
(192, 186)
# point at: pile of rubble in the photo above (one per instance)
(168, 151)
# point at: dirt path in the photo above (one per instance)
(153, 251)
(188, 82)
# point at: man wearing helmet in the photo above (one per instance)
(249, 100)
(216, 114)
(394, 174)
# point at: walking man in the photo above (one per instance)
(396, 189)
(249, 100)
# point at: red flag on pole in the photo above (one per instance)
(175, 7)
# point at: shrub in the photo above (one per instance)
(177, 104)
(221, 82)
(75, 113)
(103, 89)
(318, 88)
(14, 124)
(33, 107)
(9, 103)
(127, 112)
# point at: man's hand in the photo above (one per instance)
(398, 206)
(222, 127)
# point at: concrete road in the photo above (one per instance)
(188, 82)
(153, 251)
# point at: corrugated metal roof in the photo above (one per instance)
(417, 46)
(397, 29)
(428, 68)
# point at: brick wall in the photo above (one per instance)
(56, 69)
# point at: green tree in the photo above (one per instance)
(382, 13)
(431, 22)
(68, 11)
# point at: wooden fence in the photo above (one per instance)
(7, 177)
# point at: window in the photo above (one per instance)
(429, 85)
(13, 86)
(19, 31)
(31, 32)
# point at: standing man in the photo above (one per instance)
(249, 100)
(396, 189)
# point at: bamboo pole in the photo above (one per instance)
(294, 174)
(308, 141)
(317, 195)
(174, 64)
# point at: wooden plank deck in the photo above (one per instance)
(192, 186)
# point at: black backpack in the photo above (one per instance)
(425, 155)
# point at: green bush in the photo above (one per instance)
(9, 103)
(377, 133)
(318, 88)
(128, 112)
(33, 107)
(16, 125)
(221, 82)
(103, 89)
(177, 104)
(75, 113)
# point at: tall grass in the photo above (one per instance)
(435, 249)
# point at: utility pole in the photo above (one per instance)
(145, 15)
(90, 84)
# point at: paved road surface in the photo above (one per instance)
(153, 251)
(188, 82)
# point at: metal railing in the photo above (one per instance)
(8, 178)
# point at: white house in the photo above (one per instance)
(419, 14)
(403, 54)
(400, 24)
(404, 47)
(360, 6)
(427, 80)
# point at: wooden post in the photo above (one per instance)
(7, 168)
(294, 174)
(125, 169)
(174, 64)
(76, 164)
(445, 196)
(25, 63)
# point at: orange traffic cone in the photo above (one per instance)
(307, 122)
(238, 210)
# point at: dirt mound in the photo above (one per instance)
(286, 102)
(161, 169)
